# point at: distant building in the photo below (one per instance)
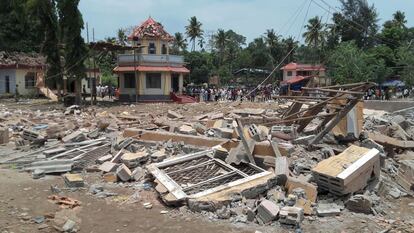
(21, 69)
(27, 71)
(295, 70)
(152, 73)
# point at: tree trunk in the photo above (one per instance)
(78, 91)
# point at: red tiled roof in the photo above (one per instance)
(295, 79)
(152, 29)
(152, 69)
(304, 67)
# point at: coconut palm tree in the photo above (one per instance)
(180, 43)
(271, 38)
(194, 31)
(314, 35)
(122, 37)
(399, 19)
(220, 41)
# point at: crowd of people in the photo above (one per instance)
(261, 93)
(387, 93)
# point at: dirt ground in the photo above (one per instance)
(22, 199)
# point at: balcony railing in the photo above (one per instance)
(150, 59)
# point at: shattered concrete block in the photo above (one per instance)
(200, 128)
(267, 211)
(4, 135)
(123, 173)
(284, 132)
(282, 170)
(132, 160)
(311, 190)
(38, 173)
(138, 174)
(104, 159)
(110, 177)
(405, 175)
(174, 115)
(224, 132)
(223, 213)
(328, 210)
(359, 204)
(217, 116)
(108, 167)
(186, 129)
(291, 215)
(73, 180)
(303, 140)
(76, 136)
(159, 156)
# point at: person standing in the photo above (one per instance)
(16, 96)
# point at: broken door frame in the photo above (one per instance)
(179, 192)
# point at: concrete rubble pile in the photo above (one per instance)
(256, 166)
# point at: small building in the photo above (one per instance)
(150, 73)
(90, 80)
(294, 70)
(20, 70)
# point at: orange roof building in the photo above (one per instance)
(150, 73)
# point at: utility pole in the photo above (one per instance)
(93, 87)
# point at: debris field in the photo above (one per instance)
(312, 156)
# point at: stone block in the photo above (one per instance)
(282, 170)
(73, 180)
(291, 215)
(159, 156)
(267, 211)
(104, 159)
(123, 173)
(328, 210)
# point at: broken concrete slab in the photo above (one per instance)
(174, 115)
(108, 167)
(328, 210)
(132, 160)
(359, 204)
(51, 166)
(405, 175)
(282, 170)
(123, 173)
(73, 180)
(186, 129)
(76, 136)
(138, 174)
(349, 171)
(310, 190)
(103, 159)
(267, 211)
(159, 156)
(390, 142)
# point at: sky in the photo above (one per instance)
(250, 18)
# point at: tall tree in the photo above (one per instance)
(220, 41)
(179, 43)
(274, 46)
(47, 14)
(76, 52)
(359, 22)
(20, 30)
(399, 19)
(314, 36)
(122, 38)
(194, 31)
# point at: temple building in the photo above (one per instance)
(149, 72)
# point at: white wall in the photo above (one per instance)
(20, 80)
